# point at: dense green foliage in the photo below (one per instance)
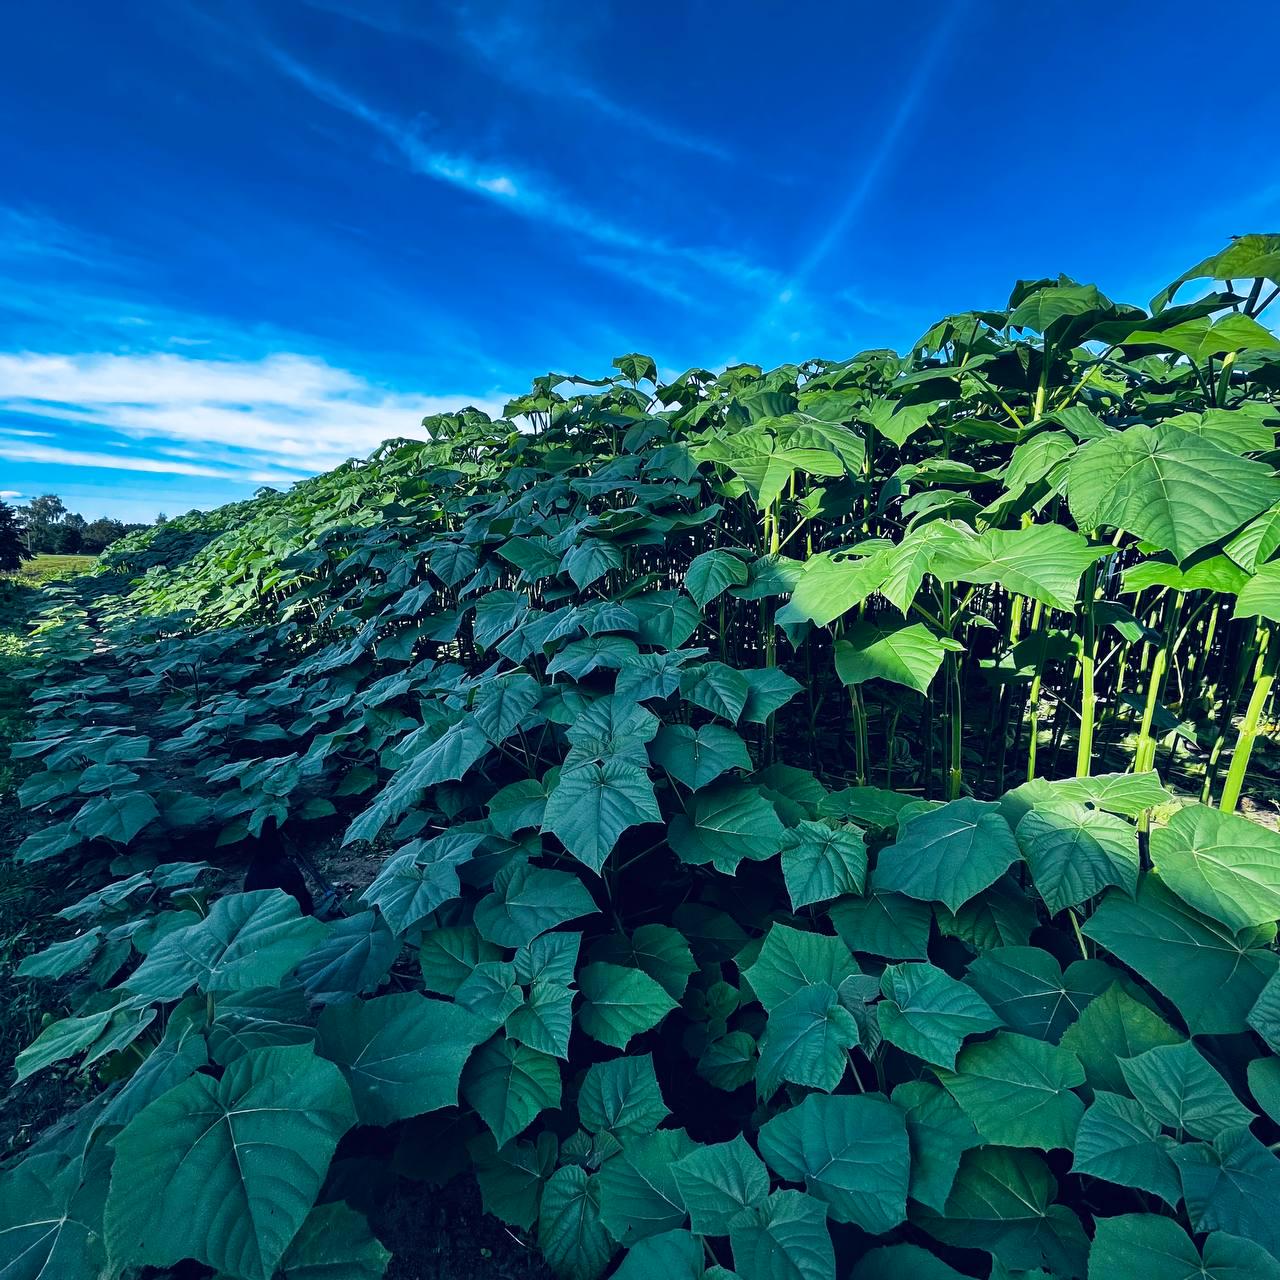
(49, 528)
(12, 549)
(773, 878)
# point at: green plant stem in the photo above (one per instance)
(1033, 698)
(859, 734)
(1088, 656)
(1264, 677)
(1145, 751)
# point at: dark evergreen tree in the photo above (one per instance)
(13, 550)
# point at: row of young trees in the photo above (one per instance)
(45, 525)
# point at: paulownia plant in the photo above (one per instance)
(796, 806)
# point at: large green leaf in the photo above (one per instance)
(1043, 561)
(672, 1255)
(949, 854)
(1146, 1244)
(448, 957)
(621, 1096)
(928, 1014)
(639, 1195)
(790, 959)
(888, 925)
(594, 803)
(785, 1238)
(1017, 1090)
(444, 758)
(712, 573)
(510, 1085)
(590, 560)
(1221, 863)
(830, 588)
(527, 901)
(511, 1177)
(226, 1171)
(1043, 308)
(1212, 974)
(1254, 546)
(1075, 852)
(661, 951)
(1260, 597)
(334, 1243)
(506, 705)
(1232, 1185)
(1167, 487)
(181, 1052)
(1244, 258)
(1264, 1017)
(1120, 1142)
(65, 1038)
(50, 1219)
(353, 959)
(402, 1054)
(1214, 573)
(717, 1182)
(1028, 991)
(940, 1133)
(1002, 1202)
(61, 958)
(545, 1020)
(1178, 1087)
(119, 817)
(490, 992)
(570, 1233)
(699, 756)
(619, 1003)
(1112, 1027)
(1203, 337)
(725, 823)
(807, 1041)
(420, 878)
(821, 862)
(849, 1151)
(1127, 794)
(768, 688)
(908, 655)
(247, 940)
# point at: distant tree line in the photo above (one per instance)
(45, 526)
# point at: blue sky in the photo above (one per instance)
(243, 240)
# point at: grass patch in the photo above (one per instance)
(49, 568)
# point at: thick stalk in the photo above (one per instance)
(859, 734)
(1224, 380)
(890, 739)
(955, 778)
(1033, 698)
(955, 764)
(1243, 665)
(1042, 390)
(1088, 656)
(1145, 751)
(1264, 677)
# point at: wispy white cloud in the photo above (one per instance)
(29, 233)
(280, 417)
(511, 49)
(17, 451)
(524, 194)
(7, 494)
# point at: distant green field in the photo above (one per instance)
(49, 568)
